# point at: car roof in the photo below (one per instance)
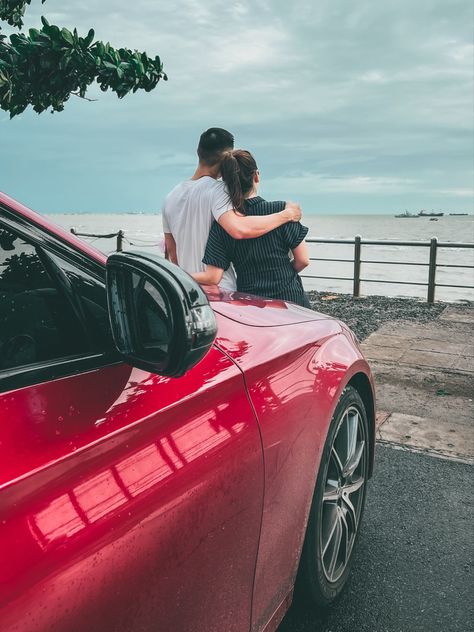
(40, 220)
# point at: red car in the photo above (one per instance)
(166, 466)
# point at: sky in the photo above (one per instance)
(348, 107)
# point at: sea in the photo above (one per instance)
(383, 267)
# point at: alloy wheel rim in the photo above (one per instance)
(343, 494)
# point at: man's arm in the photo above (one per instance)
(212, 276)
(170, 248)
(247, 227)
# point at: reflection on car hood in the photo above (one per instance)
(256, 311)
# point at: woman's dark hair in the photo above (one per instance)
(238, 169)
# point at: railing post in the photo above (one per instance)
(357, 247)
(120, 241)
(432, 270)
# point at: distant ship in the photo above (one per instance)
(459, 214)
(432, 214)
(406, 214)
(422, 213)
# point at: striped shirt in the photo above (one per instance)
(262, 264)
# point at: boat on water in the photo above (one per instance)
(459, 214)
(424, 213)
(406, 214)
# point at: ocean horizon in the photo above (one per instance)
(319, 214)
(143, 231)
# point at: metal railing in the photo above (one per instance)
(434, 245)
(120, 237)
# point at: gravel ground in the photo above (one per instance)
(366, 314)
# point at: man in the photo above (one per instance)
(190, 208)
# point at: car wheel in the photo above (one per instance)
(338, 503)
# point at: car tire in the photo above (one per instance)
(337, 506)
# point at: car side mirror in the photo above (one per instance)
(161, 319)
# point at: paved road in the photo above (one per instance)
(413, 564)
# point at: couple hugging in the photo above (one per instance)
(213, 227)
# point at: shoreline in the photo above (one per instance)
(366, 314)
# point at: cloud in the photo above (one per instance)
(461, 192)
(307, 183)
(373, 99)
(250, 49)
(374, 76)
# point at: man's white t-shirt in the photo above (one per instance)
(188, 212)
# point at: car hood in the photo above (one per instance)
(256, 332)
(256, 311)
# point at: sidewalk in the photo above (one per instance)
(425, 383)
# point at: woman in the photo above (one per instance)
(263, 265)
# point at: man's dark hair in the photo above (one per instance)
(212, 144)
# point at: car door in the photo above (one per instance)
(128, 501)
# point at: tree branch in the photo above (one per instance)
(45, 67)
(76, 94)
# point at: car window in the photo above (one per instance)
(37, 322)
(92, 297)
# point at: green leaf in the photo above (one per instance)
(67, 36)
(89, 38)
(16, 39)
(54, 31)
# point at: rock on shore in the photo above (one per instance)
(366, 314)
